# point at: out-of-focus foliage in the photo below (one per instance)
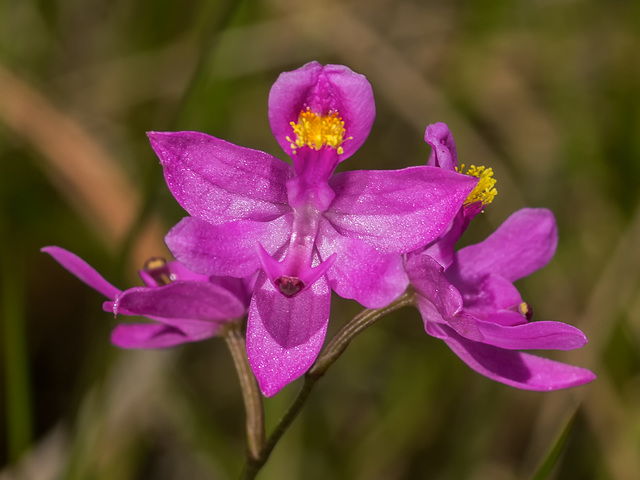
(546, 93)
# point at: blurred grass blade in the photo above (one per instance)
(17, 390)
(553, 453)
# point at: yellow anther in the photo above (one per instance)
(316, 131)
(485, 190)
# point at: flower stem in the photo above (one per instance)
(250, 394)
(341, 340)
(330, 354)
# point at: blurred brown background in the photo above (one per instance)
(544, 92)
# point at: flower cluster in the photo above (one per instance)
(290, 233)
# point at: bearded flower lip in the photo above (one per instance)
(327, 92)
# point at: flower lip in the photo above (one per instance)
(331, 93)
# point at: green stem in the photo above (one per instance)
(17, 389)
(250, 394)
(340, 342)
(330, 354)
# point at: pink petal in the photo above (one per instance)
(322, 89)
(524, 243)
(229, 249)
(154, 335)
(520, 370)
(360, 272)
(438, 300)
(397, 211)
(218, 181)
(82, 270)
(486, 295)
(181, 300)
(532, 336)
(285, 335)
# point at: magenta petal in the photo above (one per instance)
(507, 318)
(438, 300)
(82, 270)
(322, 89)
(524, 243)
(154, 335)
(520, 370)
(285, 335)
(485, 296)
(220, 182)
(182, 300)
(532, 336)
(443, 153)
(397, 211)
(229, 249)
(360, 271)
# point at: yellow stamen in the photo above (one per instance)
(316, 131)
(485, 190)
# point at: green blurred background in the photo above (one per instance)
(547, 93)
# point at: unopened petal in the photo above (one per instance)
(218, 181)
(397, 211)
(82, 270)
(443, 147)
(285, 335)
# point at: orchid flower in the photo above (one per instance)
(305, 230)
(468, 299)
(185, 306)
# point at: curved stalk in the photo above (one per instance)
(250, 394)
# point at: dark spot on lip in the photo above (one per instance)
(289, 286)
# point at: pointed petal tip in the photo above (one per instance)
(270, 388)
(155, 136)
(81, 270)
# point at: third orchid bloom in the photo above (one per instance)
(304, 229)
(467, 297)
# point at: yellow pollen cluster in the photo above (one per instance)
(316, 131)
(485, 190)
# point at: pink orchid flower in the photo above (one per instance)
(305, 230)
(467, 298)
